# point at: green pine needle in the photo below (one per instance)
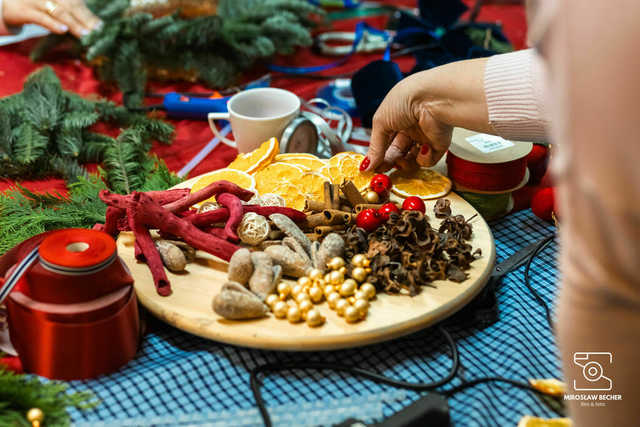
(19, 393)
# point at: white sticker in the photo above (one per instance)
(489, 143)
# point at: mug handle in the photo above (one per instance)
(212, 117)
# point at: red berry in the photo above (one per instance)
(543, 202)
(387, 209)
(380, 183)
(414, 203)
(369, 219)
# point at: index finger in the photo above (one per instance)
(88, 20)
(380, 140)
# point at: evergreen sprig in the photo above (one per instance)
(20, 392)
(45, 130)
(213, 49)
(24, 214)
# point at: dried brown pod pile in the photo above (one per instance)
(406, 253)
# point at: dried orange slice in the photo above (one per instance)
(550, 386)
(331, 172)
(240, 178)
(312, 184)
(529, 421)
(257, 159)
(349, 169)
(276, 174)
(286, 156)
(293, 195)
(312, 164)
(424, 183)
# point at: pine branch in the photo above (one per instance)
(69, 168)
(123, 162)
(29, 144)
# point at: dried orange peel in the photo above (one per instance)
(550, 386)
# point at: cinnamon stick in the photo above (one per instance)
(328, 196)
(335, 197)
(352, 194)
(361, 207)
(315, 220)
(323, 230)
(313, 206)
(335, 217)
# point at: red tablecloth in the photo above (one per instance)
(191, 136)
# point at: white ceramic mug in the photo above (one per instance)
(256, 115)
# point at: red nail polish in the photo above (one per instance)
(365, 164)
(424, 150)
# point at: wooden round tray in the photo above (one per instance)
(390, 316)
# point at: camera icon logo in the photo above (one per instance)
(592, 371)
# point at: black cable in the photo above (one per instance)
(373, 376)
(418, 387)
(527, 279)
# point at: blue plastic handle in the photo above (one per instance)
(179, 106)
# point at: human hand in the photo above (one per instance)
(414, 123)
(58, 16)
(405, 131)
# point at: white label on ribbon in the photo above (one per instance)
(489, 143)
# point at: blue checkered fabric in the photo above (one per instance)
(180, 379)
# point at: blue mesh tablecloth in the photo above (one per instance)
(180, 379)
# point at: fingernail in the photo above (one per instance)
(424, 150)
(84, 32)
(64, 28)
(99, 26)
(365, 164)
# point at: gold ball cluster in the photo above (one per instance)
(348, 296)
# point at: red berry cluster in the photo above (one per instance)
(370, 219)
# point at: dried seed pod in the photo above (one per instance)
(332, 246)
(240, 266)
(290, 228)
(188, 250)
(261, 281)
(253, 229)
(294, 245)
(235, 302)
(277, 274)
(293, 265)
(172, 257)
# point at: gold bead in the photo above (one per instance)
(280, 309)
(328, 289)
(352, 282)
(332, 299)
(357, 260)
(341, 306)
(369, 290)
(359, 274)
(304, 281)
(320, 283)
(366, 262)
(372, 196)
(327, 277)
(35, 415)
(351, 300)
(336, 263)
(294, 315)
(271, 300)
(336, 278)
(360, 294)
(316, 294)
(301, 297)
(315, 318)
(351, 314)
(347, 289)
(343, 270)
(362, 305)
(284, 288)
(297, 289)
(315, 274)
(305, 306)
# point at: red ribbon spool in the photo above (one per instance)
(74, 313)
(486, 177)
